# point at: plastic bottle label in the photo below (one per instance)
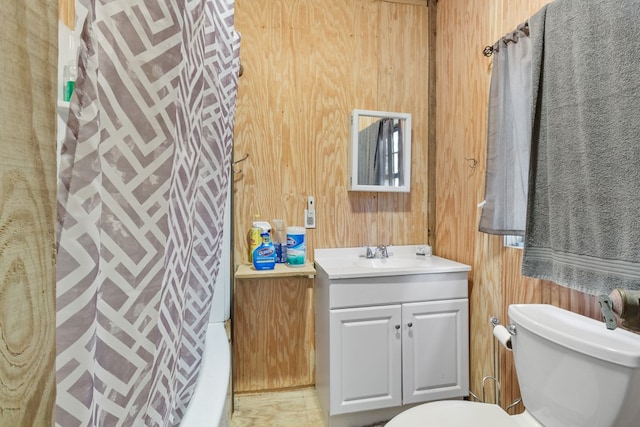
(296, 249)
(264, 256)
(254, 241)
(281, 252)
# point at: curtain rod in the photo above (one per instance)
(512, 37)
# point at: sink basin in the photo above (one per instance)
(392, 262)
(402, 260)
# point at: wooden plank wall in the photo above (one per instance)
(67, 13)
(462, 84)
(307, 65)
(27, 201)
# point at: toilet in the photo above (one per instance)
(572, 370)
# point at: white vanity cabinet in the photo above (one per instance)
(365, 358)
(435, 350)
(390, 341)
(391, 355)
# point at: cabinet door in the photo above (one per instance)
(435, 353)
(365, 358)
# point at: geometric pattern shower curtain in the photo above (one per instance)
(143, 176)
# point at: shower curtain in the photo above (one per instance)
(143, 176)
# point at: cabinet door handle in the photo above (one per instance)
(397, 327)
(410, 324)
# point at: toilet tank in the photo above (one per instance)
(572, 370)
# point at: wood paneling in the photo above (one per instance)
(307, 65)
(67, 13)
(273, 344)
(432, 180)
(27, 200)
(462, 86)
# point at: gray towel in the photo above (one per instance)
(583, 230)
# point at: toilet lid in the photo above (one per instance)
(454, 413)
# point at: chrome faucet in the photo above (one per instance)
(381, 252)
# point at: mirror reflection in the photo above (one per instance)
(381, 151)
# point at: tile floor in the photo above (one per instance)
(296, 408)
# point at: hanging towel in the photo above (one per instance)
(583, 230)
(508, 137)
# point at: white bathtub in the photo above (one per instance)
(210, 405)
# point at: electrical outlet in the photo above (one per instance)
(310, 213)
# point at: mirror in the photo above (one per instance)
(380, 154)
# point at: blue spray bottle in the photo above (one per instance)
(264, 256)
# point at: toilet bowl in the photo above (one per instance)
(460, 413)
(572, 370)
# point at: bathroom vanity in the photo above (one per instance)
(389, 332)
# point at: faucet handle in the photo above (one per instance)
(369, 252)
(382, 250)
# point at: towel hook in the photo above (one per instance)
(237, 162)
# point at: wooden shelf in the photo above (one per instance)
(246, 271)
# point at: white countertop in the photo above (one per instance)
(342, 263)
